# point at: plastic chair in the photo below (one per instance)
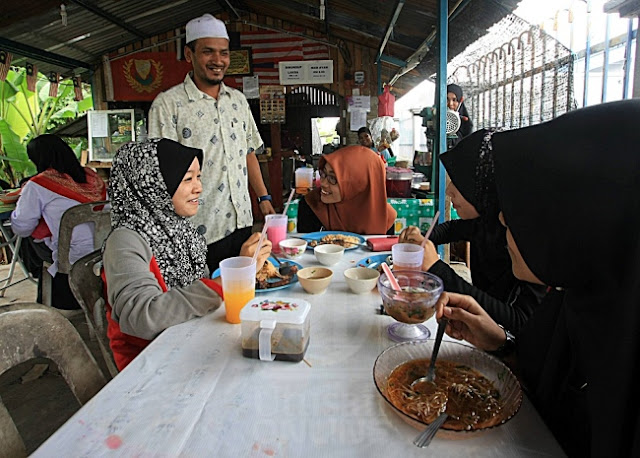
(33, 330)
(92, 212)
(88, 289)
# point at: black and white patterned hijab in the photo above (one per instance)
(141, 201)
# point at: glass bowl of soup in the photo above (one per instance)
(478, 391)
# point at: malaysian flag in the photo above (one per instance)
(268, 48)
(5, 64)
(77, 88)
(54, 79)
(32, 77)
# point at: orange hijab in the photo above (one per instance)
(362, 178)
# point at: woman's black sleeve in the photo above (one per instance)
(307, 219)
(512, 314)
(452, 231)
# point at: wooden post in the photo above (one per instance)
(275, 168)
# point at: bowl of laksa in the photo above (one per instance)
(475, 389)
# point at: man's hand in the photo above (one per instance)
(249, 248)
(266, 208)
(469, 321)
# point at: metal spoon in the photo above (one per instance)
(283, 267)
(431, 372)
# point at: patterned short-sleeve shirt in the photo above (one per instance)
(226, 131)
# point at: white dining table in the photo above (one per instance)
(191, 393)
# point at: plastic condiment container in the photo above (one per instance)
(399, 182)
(275, 329)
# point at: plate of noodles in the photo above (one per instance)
(348, 240)
(477, 390)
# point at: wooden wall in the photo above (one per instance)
(348, 57)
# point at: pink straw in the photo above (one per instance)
(430, 230)
(392, 280)
(264, 232)
(286, 207)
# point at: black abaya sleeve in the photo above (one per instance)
(513, 314)
(452, 231)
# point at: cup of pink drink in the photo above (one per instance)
(276, 230)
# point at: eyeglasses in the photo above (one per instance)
(332, 179)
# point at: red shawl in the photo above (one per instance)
(61, 183)
(362, 180)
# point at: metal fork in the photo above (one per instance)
(424, 438)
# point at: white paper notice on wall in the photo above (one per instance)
(251, 87)
(359, 103)
(99, 124)
(306, 72)
(357, 119)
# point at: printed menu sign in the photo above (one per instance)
(272, 105)
(306, 72)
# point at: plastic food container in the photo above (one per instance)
(399, 182)
(275, 329)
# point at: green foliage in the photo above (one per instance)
(25, 115)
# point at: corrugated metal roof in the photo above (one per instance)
(97, 27)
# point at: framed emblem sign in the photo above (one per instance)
(241, 62)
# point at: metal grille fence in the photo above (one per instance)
(525, 79)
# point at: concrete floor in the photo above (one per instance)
(34, 393)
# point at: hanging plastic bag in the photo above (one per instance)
(386, 102)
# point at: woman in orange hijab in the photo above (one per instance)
(352, 195)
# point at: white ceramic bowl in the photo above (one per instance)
(328, 254)
(361, 279)
(293, 248)
(315, 280)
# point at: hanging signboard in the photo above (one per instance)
(306, 72)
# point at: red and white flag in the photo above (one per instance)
(32, 77)
(269, 48)
(54, 80)
(5, 64)
(77, 88)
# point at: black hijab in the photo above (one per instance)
(144, 177)
(50, 151)
(569, 190)
(470, 167)
(466, 126)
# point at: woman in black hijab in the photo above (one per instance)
(455, 102)
(578, 355)
(507, 300)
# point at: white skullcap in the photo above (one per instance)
(206, 26)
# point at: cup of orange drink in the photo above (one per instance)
(239, 285)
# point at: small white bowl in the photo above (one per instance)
(361, 279)
(315, 280)
(328, 254)
(293, 248)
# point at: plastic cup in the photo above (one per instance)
(304, 179)
(276, 230)
(407, 256)
(239, 285)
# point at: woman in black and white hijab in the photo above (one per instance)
(154, 258)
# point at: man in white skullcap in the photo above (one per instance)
(202, 112)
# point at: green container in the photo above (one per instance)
(426, 207)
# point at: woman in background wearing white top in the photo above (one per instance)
(60, 184)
